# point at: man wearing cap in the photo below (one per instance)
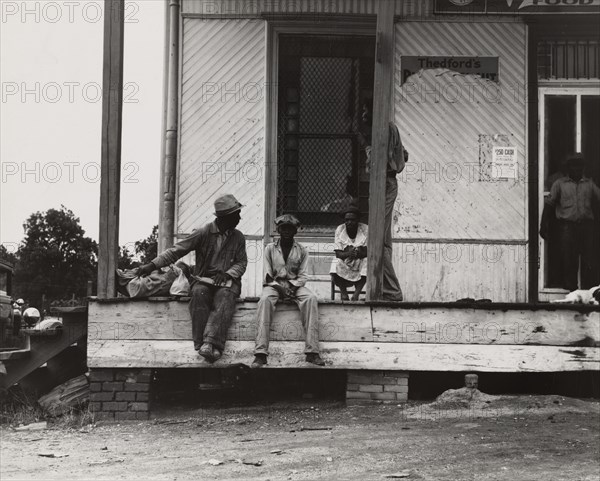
(349, 268)
(285, 276)
(221, 256)
(573, 198)
(397, 156)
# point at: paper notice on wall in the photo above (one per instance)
(504, 163)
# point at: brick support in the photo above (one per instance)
(120, 394)
(371, 387)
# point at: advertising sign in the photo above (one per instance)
(485, 67)
(504, 162)
(516, 7)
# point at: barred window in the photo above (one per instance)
(568, 59)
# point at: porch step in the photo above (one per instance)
(13, 354)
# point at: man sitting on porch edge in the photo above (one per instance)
(285, 271)
(216, 281)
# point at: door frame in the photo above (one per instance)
(577, 90)
(338, 26)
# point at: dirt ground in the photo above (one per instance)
(497, 438)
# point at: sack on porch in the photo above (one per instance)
(181, 285)
(158, 283)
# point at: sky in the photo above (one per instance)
(51, 113)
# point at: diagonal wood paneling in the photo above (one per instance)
(222, 147)
(441, 115)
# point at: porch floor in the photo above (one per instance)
(492, 337)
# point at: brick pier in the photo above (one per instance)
(120, 394)
(369, 387)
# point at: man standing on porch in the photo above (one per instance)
(216, 281)
(397, 156)
(285, 271)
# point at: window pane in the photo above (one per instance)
(325, 165)
(559, 140)
(560, 123)
(590, 132)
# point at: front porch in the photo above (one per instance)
(377, 343)
(490, 337)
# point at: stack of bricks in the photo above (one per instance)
(120, 394)
(368, 387)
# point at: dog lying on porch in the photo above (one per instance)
(581, 296)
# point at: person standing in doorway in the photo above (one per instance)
(573, 198)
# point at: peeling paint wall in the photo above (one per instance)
(441, 115)
(460, 232)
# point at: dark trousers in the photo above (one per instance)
(391, 286)
(212, 310)
(576, 240)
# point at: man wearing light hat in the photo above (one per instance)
(285, 276)
(216, 281)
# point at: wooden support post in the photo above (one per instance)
(166, 227)
(112, 108)
(384, 55)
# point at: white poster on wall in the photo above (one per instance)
(504, 162)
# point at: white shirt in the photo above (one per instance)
(350, 269)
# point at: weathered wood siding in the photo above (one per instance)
(444, 192)
(474, 228)
(222, 142)
(448, 271)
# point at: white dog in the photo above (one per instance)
(582, 296)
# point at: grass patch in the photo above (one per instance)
(20, 407)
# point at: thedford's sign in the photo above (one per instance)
(516, 6)
(485, 67)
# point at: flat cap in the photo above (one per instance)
(288, 219)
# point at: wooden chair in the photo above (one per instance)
(336, 290)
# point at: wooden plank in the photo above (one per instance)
(351, 355)
(110, 180)
(447, 271)
(478, 326)
(14, 354)
(352, 322)
(382, 90)
(171, 320)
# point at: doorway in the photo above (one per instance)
(323, 83)
(569, 121)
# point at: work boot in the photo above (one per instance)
(260, 360)
(216, 354)
(206, 351)
(314, 358)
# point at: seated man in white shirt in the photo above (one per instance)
(285, 270)
(350, 246)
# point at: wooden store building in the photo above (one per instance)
(263, 99)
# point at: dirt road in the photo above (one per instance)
(542, 438)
